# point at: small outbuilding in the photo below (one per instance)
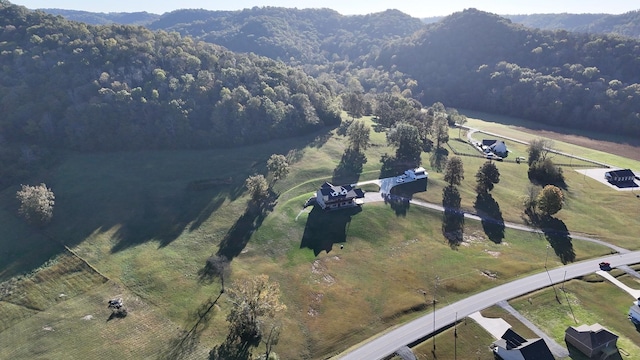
(618, 176)
(594, 341)
(512, 346)
(333, 197)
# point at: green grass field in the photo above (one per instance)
(146, 236)
(589, 302)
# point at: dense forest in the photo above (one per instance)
(627, 24)
(478, 60)
(74, 86)
(202, 79)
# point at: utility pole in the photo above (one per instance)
(435, 287)
(455, 338)
(549, 275)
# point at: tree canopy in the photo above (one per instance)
(487, 176)
(454, 171)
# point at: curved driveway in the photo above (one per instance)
(424, 326)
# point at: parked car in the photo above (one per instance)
(400, 179)
(605, 266)
(492, 156)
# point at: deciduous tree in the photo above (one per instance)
(538, 150)
(278, 166)
(454, 171)
(486, 177)
(257, 186)
(36, 203)
(550, 200)
(406, 139)
(253, 299)
(358, 133)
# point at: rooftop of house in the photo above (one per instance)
(592, 336)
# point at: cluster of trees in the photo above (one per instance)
(302, 36)
(71, 85)
(542, 170)
(574, 80)
(624, 24)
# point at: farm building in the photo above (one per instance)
(514, 347)
(616, 176)
(594, 341)
(336, 197)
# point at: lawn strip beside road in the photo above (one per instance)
(423, 327)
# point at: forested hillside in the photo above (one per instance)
(134, 18)
(627, 24)
(478, 60)
(306, 36)
(74, 86)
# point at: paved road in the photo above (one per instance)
(424, 326)
(376, 197)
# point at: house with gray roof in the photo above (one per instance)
(594, 341)
(512, 346)
(331, 197)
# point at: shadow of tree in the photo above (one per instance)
(164, 218)
(453, 216)
(557, 234)
(185, 344)
(344, 126)
(349, 168)
(438, 159)
(492, 222)
(392, 166)
(325, 228)
(401, 195)
(240, 233)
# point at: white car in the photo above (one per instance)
(400, 179)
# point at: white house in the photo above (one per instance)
(417, 173)
(338, 196)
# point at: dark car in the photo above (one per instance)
(605, 266)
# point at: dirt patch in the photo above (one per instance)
(473, 238)
(489, 274)
(629, 150)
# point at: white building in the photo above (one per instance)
(417, 173)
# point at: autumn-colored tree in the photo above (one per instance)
(550, 200)
(253, 299)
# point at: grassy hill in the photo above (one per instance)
(146, 237)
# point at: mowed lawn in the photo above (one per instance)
(583, 301)
(134, 219)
